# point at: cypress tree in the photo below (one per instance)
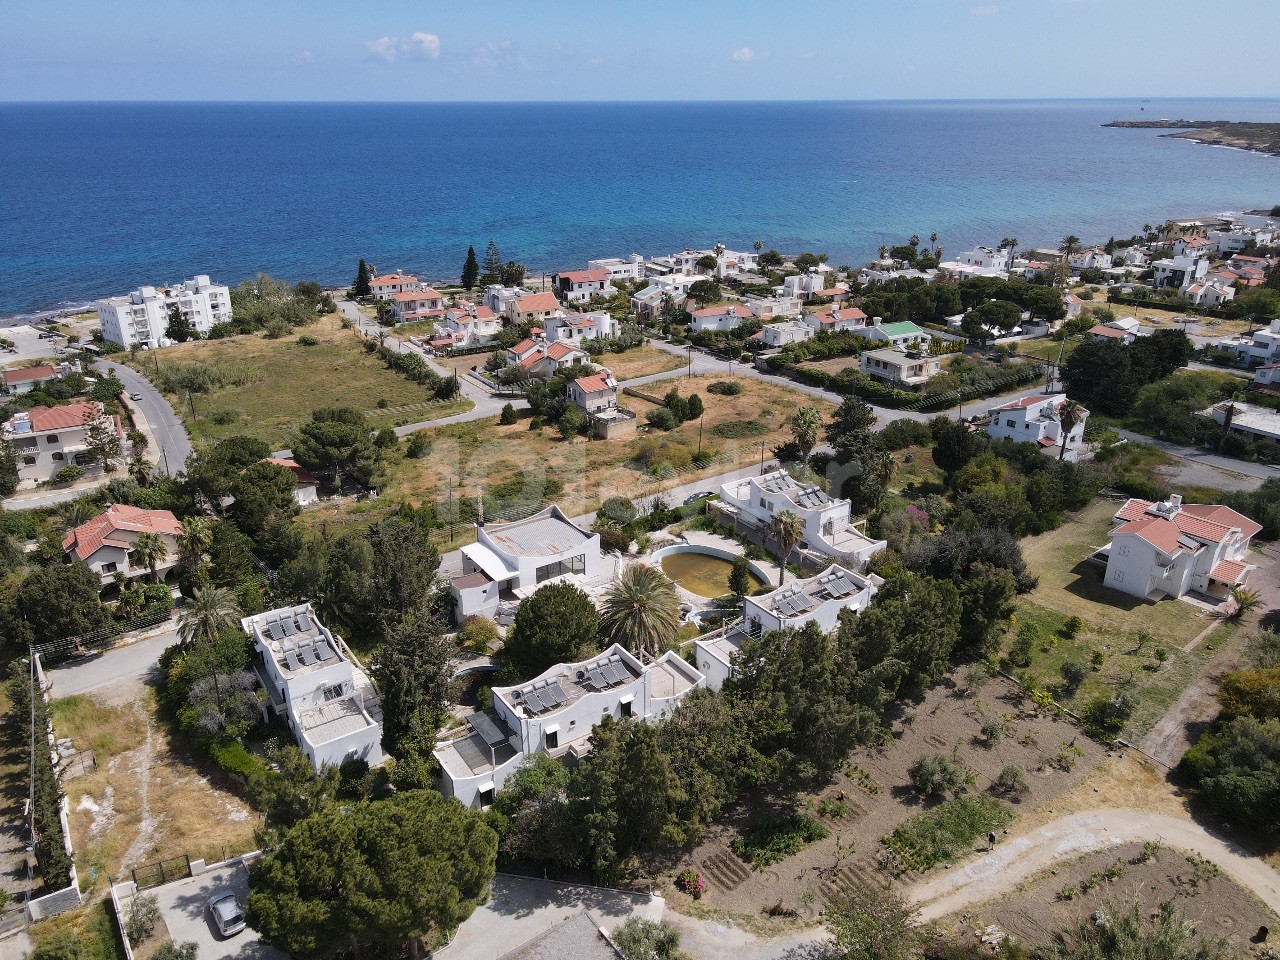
(470, 269)
(361, 287)
(492, 265)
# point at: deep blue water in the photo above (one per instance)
(98, 198)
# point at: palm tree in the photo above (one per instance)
(194, 541)
(149, 550)
(210, 611)
(1245, 599)
(641, 610)
(1010, 244)
(786, 531)
(759, 246)
(933, 242)
(937, 253)
(1069, 416)
(1069, 246)
(915, 240)
(884, 251)
(806, 428)
(75, 512)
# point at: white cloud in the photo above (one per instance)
(911, 68)
(595, 62)
(986, 10)
(492, 53)
(304, 56)
(418, 46)
(744, 55)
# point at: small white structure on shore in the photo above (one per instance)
(327, 701)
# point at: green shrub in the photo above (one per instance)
(740, 429)
(934, 774)
(777, 839)
(233, 758)
(508, 415)
(903, 433)
(662, 418)
(725, 388)
(1074, 673)
(306, 340)
(1011, 781)
(477, 633)
(947, 830)
(1104, 717)
(419, 445)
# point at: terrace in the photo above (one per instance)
(567, 683)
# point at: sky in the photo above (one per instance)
(512, 50)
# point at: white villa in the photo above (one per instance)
(142, 316)
(1125, 330)
(904, 333)
(827, 530)
(819, 599)
(305, 485)
(1212, 292)
(533, 308)
(579, 286)
(812, 283)
(387, 285)
(469, 325)
(594, 393)
(576, 327)
(496, 297)
(1179, 272)
(1169, 549)
(105, 543)
(1263, 347)
(1250, 419)
(539, 357)
(310, 680)
(555, 714)
(906, 369)
(1094, 258)
(728, 262)
(1038, 420)
(770, 308)
(724, 317)
(518, 557)
(416, 304)
(835, 319)
(46, 439)
(781, 334)
(631, 269)
(997, 261)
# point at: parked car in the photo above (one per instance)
(228, 915)
(135, 396)
(695, 497)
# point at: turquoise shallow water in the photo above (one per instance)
(97, 198)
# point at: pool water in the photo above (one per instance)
(700, 573)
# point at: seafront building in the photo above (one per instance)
(312, 683)
(47, 439)
(143, 316)
(554, 714)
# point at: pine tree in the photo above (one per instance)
(492, 265)
(361, 287)
(470, 269)
(101, 441)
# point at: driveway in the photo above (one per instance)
(166, 426)
(183, 906)
(117, 674)
(521, 908)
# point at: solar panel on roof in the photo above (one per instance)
(557, 692)
(533, 701)
(291, 659)
(306, 655)
(324, 651)
(597, 680)
(489, 731)
(610, 673)
(275, 631)
(287, 626)
(304, 622)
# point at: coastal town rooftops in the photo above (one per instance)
(538, 302)
(546, 533)
(725, 309)
(104, 529)
(839, 315)
(409, 296)
(63, 417)
(565, 683)
(390, 278)
(294, 639)
(585, 276)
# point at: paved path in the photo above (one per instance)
(1016, 859)
(116, 673)
(165, 425)
(1228, 465)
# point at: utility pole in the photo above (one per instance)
(762, 458)
(690, 349)
(450, 508)
(700, 419)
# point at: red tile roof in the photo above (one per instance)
(585, 276)
(1023, 402)
(1225, 516)
(1228, 571)
(1104, 331)
(1160, 533)
(524, 346)
(389, 278)
(408, 296)
(63, 417)
(471, 312)
(301, 475)
(724, 309)
(558, 351)
(538, 302)
(90, 537)
(1204, 521)
(27, 374)
(596, 383)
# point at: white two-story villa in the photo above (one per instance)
(1038, 420)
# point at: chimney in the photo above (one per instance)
(1175, 501)
(875, 321)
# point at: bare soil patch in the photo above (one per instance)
(872, 795)
(1038, 910)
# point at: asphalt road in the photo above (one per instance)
(116, 673)
(166, 426)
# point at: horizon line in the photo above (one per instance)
(696, 100)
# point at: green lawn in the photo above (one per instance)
(1046, 348)
(272, 386)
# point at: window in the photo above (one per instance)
(109, 567)
(553, 739)
(52, 438)
(59, 456)
(1122, 549)
(1117, 576)
(576, 564)
(333, 692)
(485, 797)
(625, 709)
(28, 461)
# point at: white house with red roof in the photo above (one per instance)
(105, 543)
(1193, 247)
(1038, 420)
(631, 269)
(835, 319)
(1125, 330)
(305, 484)
(544, 359)
(1210, 292)
(468, 325)
(577, 327)
(387, 285)
(1094, 258)
(594, 393)
(26, 379)
(533, 308)
(1170, 549)
(407, 306)
(579, 286)
(46, 439)
(1073, 305)
(723, 317)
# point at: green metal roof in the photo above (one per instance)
(901, 329)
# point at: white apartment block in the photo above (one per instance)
(496, 297)
(773, 308)
(142, 316)
(819, 599)
(755, 501)
(728, 262)
(1169, 549)
(46, 439)
(814, 282)
(1179, 272)
(510, 560)
(327, 701)
(555, 714)
(1038, 420)
(579, 286)
(999, 260)
(631, 269)
(1227, 242)
(1192, 247)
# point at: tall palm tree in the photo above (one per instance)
(1069, 246)
(1010, 244)
(641, 610)
(1245, 599)
(806, 429)
(150, 550)
(884, 251)
(194, 541)
(210, 611)
(1069, 416)
(933, 242)
(786, 531)
(75, 512)
(759, 246)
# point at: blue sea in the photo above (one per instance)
(96, 198)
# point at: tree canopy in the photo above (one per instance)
(555, 625)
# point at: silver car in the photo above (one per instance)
(227, 914)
